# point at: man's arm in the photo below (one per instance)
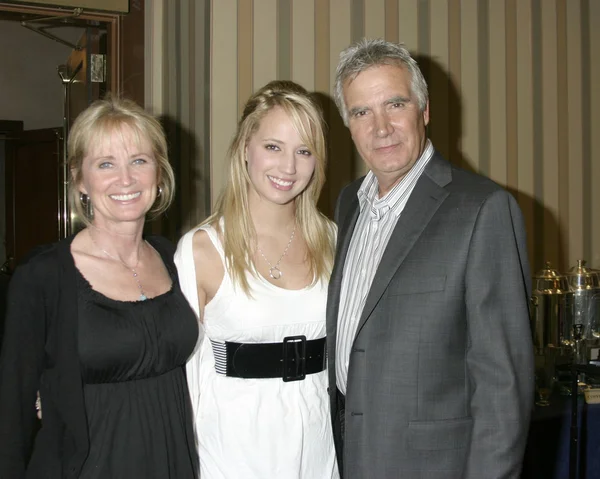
(500, 352)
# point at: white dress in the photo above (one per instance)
(257, 428)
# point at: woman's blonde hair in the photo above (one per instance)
(103, 118)
(238, 234)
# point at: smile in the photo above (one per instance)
(280, 182)
(130, 196)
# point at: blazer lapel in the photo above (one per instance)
(348, 222)
(424, 201)
(345, 235)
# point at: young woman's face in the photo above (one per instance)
(280, 165)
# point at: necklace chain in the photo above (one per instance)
(133, 269)
(274, 271)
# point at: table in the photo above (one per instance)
(548, 445)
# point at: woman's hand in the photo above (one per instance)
(38, 406)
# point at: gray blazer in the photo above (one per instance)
(440, 379)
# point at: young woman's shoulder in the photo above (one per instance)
(204, 247)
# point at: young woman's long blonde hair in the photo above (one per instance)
(238, 234)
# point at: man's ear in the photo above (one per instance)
(426, 114)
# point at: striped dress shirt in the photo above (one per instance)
(376, 221)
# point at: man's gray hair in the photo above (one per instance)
(366, 53)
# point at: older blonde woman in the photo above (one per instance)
(97, 322)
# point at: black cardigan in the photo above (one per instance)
(40, 353)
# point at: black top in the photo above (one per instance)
(132, 356)
(41, 352)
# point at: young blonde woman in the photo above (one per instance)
(256, 272)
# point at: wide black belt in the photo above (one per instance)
(290, 360)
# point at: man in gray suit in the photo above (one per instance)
(431, 361)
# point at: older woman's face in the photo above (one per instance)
(119, 174)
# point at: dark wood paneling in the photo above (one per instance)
(131, 52)
(32, 184)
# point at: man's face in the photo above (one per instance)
(385, 121)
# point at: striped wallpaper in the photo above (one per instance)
(514, 94)
(177, 35)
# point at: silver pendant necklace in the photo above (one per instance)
(133, 269)
(274, 271)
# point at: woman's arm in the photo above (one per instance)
(200, 272)
(21, 365)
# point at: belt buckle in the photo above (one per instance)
(297, 346)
